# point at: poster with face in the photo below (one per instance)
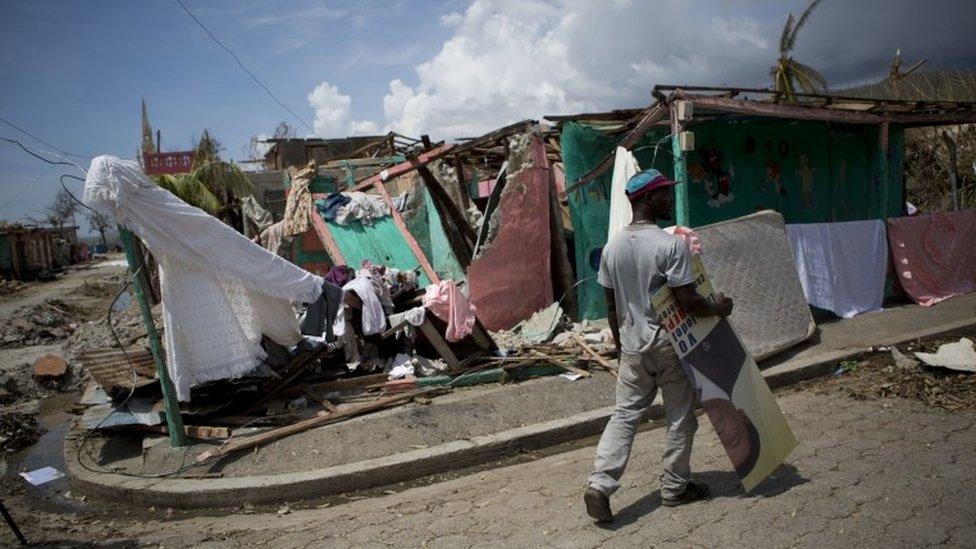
(730, 387)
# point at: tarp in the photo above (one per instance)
(749, 259)
(221, 292)
(842, 266)
(511, 278)
(935, 254)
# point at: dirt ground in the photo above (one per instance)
(43, 318)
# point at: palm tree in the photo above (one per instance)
(212, 185)
(788, 73)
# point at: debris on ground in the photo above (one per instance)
(48, 322)
(959, 356)
(50, 367)
(895, 375)
(17, 431)
(8, 287)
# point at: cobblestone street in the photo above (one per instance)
(884, 473)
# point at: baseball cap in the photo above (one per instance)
(645, 181)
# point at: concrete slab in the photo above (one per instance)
(481, 428)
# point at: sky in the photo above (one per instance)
(73, 73)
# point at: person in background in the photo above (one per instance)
(634, 264)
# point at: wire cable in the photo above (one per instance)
(39, 140)
(24, 188)
(241, 65)
(37, 155)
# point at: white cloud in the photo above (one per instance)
(514, 59)
(333, 113)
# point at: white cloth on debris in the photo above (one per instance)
(220, 291)
(361, 207)
(624, 167)
(374, 317)
(842, 266)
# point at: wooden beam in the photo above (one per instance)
(411, 241)
(325, 236)
(403, 167)
(649, 116)
(311, 423)
(440, 345)
(794, 112)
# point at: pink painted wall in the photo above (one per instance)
(511, 280)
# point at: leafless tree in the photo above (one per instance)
(101, 224)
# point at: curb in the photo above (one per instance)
(411, 465)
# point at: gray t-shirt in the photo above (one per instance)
(635, 263)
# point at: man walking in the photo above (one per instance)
(635, 263)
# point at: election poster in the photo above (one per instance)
(734, 394)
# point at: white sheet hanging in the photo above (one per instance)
(220, 291)
(841, 265)
(624, 167)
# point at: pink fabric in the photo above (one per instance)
(934, 254)
(689, 236)
(511, 278)
(446, 301)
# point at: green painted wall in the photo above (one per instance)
(808, 171)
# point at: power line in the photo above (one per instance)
(39, 140)
(24, 188)
(241, 65)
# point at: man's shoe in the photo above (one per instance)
(694, 491)
(597, 505)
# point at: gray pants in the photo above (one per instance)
(639, 378)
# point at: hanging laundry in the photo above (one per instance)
(361, 207)
(374, 318)
(320, 316)
(449, 304)
(624, 166)
(256, 218)
(272, 237)
(220, 291)
(299, 202)
(842, 266)
(328, 206)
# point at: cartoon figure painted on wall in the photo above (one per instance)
(805, 173)
(717, 179)
(774, 177)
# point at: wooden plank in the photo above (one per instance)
(595, 355)
(311, 423)
(325, 236)
(458, 231)
(440, 345)
(649, 116)
(174, 420)
(561, 364)
(411, 241)
(794, 112)
(402, 168)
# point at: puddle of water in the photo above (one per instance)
(48, 451)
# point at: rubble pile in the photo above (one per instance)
(17, 431)
(96, 334)
(552, 325)
(11, 286)
(49, 322)
(899, 375)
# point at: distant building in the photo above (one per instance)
(27, 251)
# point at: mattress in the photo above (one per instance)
(749, 259)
